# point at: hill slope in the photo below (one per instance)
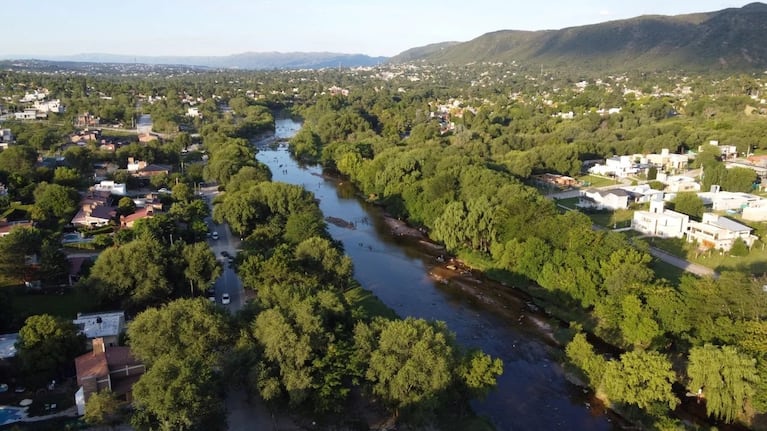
(731, 39)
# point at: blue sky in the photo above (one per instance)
(222, 27)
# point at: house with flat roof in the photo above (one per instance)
(612, 199)
(106, 326)
(660, 222)
(718, 232)
(8, 345)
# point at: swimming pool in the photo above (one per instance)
(10, 414)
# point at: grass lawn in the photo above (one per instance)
(65, 305)
(754, 263)
(359, 297)
(614, 219)
(595, 181)
(667, 271)
(568, 202)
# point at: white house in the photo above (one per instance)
(642, 193)
(620, 166)
(108, 326)
(727, 152)
(54, 106)
(6, 138)
(723, 201)
(193, 112)
(667, 161)
(27, 114)
(111, 187)
(718, 232)
(613, 199)
(660, 221)
(678, 183)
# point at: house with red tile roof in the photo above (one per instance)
(112, 368)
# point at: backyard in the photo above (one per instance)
(754, 263)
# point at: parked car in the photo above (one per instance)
(225, 299)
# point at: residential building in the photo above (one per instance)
(27, 114)
(661, 222)
(95, 210)
(141, 213)
(112, 368)
(678, 183)
(557, 180)
(612, 199)
(667, 162)
(619, 166)
(107, 326)
(47, 106)
(6, 227)
(111, 187)
(193, 112)
(727, 152)
(723, 201)
(717, 232)
(87, 120)
(6, 138)
(642, 193)
(8, 345)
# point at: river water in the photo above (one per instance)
(532, 393)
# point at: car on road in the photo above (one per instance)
(211, 294)
(225, 299)
(214, 235)
(225, 253)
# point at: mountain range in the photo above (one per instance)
(729, 39)
(733, 39)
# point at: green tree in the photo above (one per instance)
(126, 206)
(54, 202)
(103, 409)
(739, 248)
(45, 344)
(689, 203)
(14, 247)
(411, 362)
(727, 378)
(137, 270)
(201, 265)
(178, 393)
(185, 328)
(642, 378)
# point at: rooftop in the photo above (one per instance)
(8, 345)
(101, 324)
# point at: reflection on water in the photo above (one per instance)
(532, 394)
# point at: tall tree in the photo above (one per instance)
(184, 328)
(178, 393)
(201, 265)
(727, 379)
(47, 343)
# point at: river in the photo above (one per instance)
(532, 393)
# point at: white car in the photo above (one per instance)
(214, 235)
(225, 299)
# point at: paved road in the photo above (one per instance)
(227, 242)
(694, 268)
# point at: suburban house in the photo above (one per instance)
(8, 345)
(613, 199)
(54, 106)
(193, 112)
(106, 367)
(6, 138)
(95, 210)
(728, 152)
(85, 136)
(718, 232)
(27, 114)
(106, 326)
(152, 170)
(129, 220)
(723, 201)
(556, 180)
(111, 187)
(619, 166)
(678, 183)
(86, 120)
(642, 193)
(666, 161)
(659, 221)
(6, 227)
